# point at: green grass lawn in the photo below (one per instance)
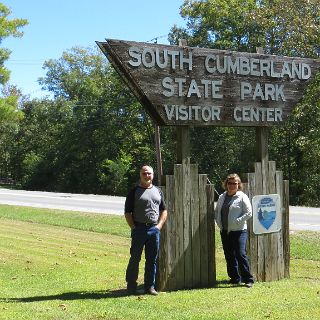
(66, 265)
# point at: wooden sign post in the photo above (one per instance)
(184, 86)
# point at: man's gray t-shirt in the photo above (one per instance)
(145, 204)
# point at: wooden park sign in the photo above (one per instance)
(185, 86)
(195, 86)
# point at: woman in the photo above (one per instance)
(232, 212)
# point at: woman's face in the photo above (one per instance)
(232, 186)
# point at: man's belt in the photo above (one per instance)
(146, 224)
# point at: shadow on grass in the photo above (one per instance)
(226, 284)
(93, 295)
(80, 295)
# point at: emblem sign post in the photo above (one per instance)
(266, 214)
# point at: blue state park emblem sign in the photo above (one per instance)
(266, 213)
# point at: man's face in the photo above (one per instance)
(146, 175)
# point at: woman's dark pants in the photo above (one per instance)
(234, 247)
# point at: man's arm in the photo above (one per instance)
(162, 219)
(129, 219)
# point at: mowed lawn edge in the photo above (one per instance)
(69, 265)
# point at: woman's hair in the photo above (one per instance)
(232, 176)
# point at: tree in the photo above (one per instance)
(9, 115)
(9, 121)
(243, 25)
(297, 148)
(105, 129)
(219, 24)
(293, 32)
(8, 28)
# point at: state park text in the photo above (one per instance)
(259, 82)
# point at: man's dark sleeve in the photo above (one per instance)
(162, 205)
(129, 204)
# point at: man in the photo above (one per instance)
(145, 212)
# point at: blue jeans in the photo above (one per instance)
(234, 247)
(148, 238)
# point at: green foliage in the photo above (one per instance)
(220, 151)
(8, 28)
(114, 174)
(36, 142)
(79, 75)
(293, 32)
(296, 149)
(305, 145)
(10, 117)
(9, 113)
(30, 166)
(218, 24)
(244, 26)
(8, 110)
(93, 119)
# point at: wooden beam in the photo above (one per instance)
(183, 132)
(261, 136)
(262, 154)
(183, 143)
(158, 154)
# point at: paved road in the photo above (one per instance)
(301, 218)
(64, 201)
(304, 218)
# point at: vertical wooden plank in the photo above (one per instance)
(260, 273)
(266, 237)
(271, 239)
(258, 178)
(183, 143)
(262, 144)
(271, 177)
(204, 250)
(196, 192)
(268, 256)
(178, 191)
(162, 271)
(285, 226)
(264, 176)
(186, 223)
(279, 190)
(246, 187)
(171, 235)
(211, 235)
(252, 244)
(158, 152)
(279, 186)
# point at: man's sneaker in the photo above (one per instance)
(249, 285)
(151, 291)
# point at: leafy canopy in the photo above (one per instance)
(243, 25)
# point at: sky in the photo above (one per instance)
(56, 26)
